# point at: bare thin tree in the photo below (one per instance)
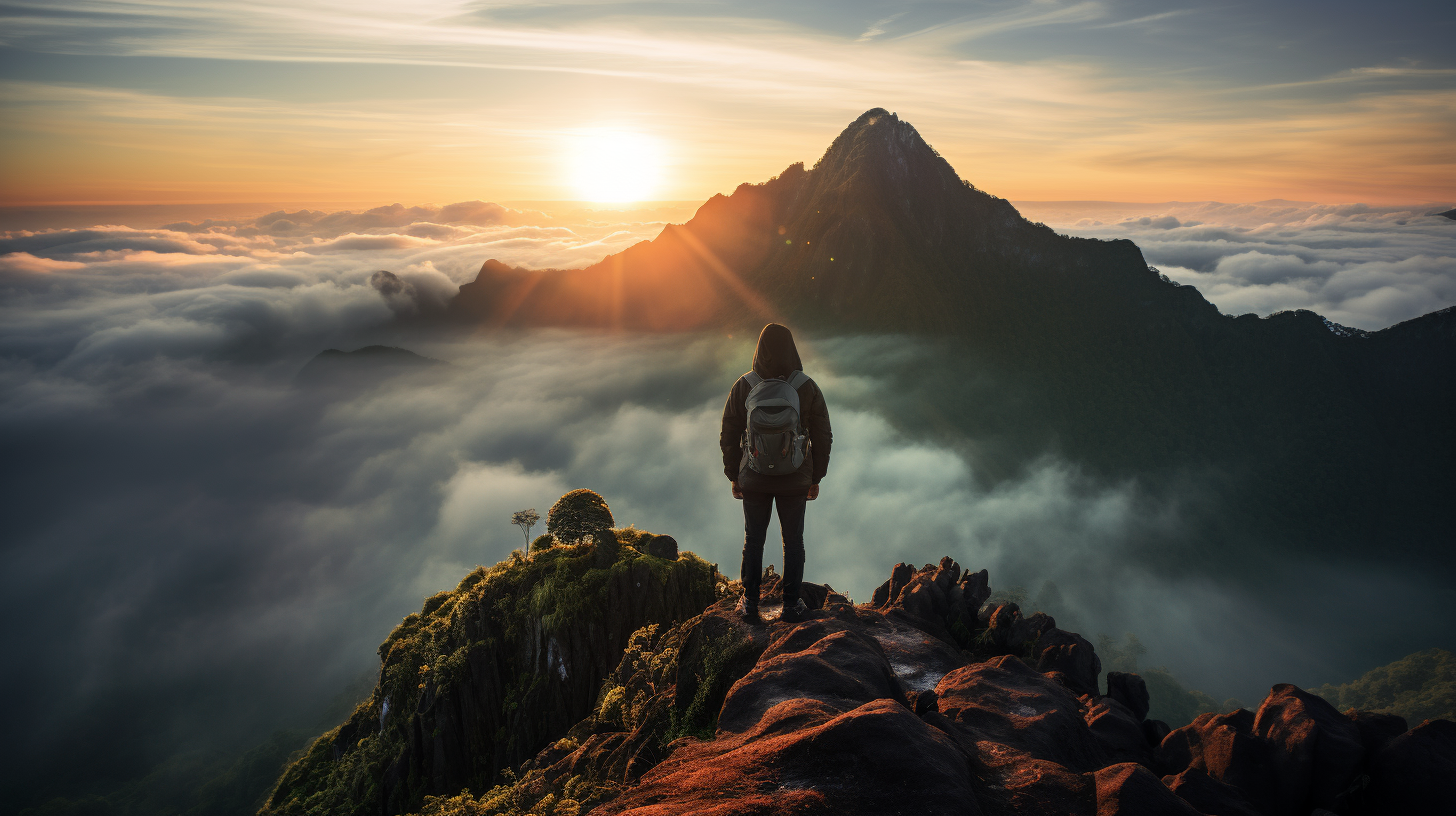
(526, 519)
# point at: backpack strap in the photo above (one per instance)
(752, 379)
(797, 379)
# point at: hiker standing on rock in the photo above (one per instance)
(775, 443)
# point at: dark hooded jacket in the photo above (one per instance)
(776, 357)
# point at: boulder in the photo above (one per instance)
(803, 758)
(1376, 730)
(918, 658)
(1129, 789)
(1025, 631)
(1072, 657)
(927, 593)
(1130, 690)
(829, 661)
(889, 592)
(880, 758)
(1208, 795)
(1004, 701)
(1318, 749)
(661, 546)
(965, 599)
(1119, 732)
(1225, 748)
(1000, 621)
(1415, 772)
(1154, 731)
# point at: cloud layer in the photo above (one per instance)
(198, 550)
(1360, 266)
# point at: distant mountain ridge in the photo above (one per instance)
(332, 367)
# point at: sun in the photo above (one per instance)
(614, 165)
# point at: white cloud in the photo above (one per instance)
(194, 524)
(1362, 266)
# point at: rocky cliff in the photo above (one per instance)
(486, 675)
(929, 700)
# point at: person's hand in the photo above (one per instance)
(737, 494)
(813, 492)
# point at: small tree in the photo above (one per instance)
(526, 519)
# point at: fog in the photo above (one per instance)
(198, 550)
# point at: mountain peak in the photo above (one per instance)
(881, 147)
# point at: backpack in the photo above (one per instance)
(774, 443)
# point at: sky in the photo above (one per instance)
(448, 100)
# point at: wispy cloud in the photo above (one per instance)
(1149, 18)
(734, 98)
(877, 28)
(1027, 15)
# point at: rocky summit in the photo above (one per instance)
(928, 699)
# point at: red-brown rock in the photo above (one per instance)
(1119, 732)
(1225, 747)
(1004, 701)
(1318, 749)
(1208, 795)
(1129, 789)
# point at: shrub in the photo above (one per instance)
(578, 516)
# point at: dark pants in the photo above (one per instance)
(757, 507)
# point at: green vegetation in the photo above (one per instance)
(638, 701)
(577, 517)
(526, 519)
(486, 675)
(1418, 687)
(1176, 704)
(1121, 657)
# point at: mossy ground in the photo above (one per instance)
(638, 700)
(496, 614)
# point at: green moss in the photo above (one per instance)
(720, 659)
(491, 613)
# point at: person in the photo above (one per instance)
(776, 357)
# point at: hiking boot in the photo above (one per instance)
(748, 610)
(795, 613)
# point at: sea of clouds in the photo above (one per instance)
(201, 549)
(1358, 265)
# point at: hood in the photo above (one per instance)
(776, 355)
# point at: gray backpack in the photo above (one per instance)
(774, 443)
